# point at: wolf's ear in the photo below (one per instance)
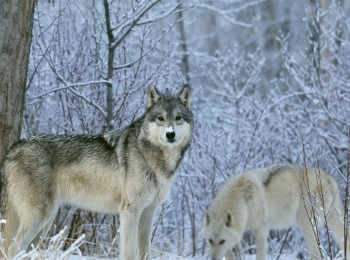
(228, 219)
(208, 217)
(185, 95)
(153, 97)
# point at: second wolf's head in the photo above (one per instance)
(220, 234)
(169, 119)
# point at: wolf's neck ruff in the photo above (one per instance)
(161, 161)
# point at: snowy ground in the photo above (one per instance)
(54, 251)
(173, 257)
(163, 256)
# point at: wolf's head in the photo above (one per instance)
(169, 119)
(220, 234)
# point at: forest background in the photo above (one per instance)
(269, 80)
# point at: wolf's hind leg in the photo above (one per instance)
(261, 242)
(11, 227)
(26, 233)
(336, 223)
(306, 230)
(30, 225)
(8, 230)
(42, 234)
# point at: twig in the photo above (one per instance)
(284, 242)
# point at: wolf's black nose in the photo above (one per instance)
(170, 135)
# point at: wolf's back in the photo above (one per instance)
(45, 153)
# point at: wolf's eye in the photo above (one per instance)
(222, 241)
(210, 241)
(160, 118)
(178, 118)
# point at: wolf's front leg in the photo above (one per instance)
(129, 219)
(230, 256)
(261, 243)
(145, 232)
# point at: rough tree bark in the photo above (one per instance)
(16, 23)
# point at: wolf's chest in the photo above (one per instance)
(163, 187)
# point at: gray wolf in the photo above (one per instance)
(270, 198)
(127, 172)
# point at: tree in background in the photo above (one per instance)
(103, 56)
(16, 23)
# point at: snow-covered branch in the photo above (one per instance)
(67, 86)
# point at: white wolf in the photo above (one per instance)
(270, 198)
(126, 171)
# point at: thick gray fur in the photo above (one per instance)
(272, 171)
(126, 171)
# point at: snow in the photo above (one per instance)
(161, 256)
(168, 256)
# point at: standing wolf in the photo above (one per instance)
(127, 171)
(270, 198)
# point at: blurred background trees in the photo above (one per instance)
(267, 77)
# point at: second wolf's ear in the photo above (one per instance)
(208, 217)
(185, 95)
(153, 97)
(228, 219)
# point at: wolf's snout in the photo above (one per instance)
(170, 136)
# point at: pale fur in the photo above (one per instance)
(265, 199)
(131, 175)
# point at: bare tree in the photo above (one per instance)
(16, 23)
(119, 41)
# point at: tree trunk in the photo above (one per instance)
(109, 97)
(16, 23)
(185, 68)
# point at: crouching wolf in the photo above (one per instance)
(271, 198)
(127, 172)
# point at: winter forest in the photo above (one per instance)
(270, 84)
